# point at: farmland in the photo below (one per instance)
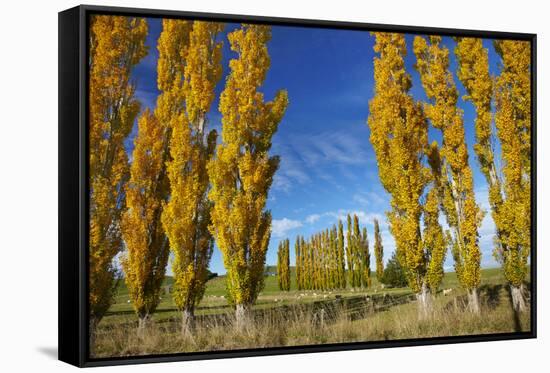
(309, 317)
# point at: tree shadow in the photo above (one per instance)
(50, 352)
(491, 295)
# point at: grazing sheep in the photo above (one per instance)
(447, 292)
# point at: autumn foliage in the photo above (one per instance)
(190, 69)
(183, 188)
(509, 188)
(378, 251)
(116, 45)
(283, 265)
(321, 259)
(454, 179)
(399, 135)
(146, 255)
(242, 171)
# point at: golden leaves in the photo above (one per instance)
(283, 265)
(378, 251)
(513, 124)
(450, 167)
(116, 45)
(190, 71)
(399, 135)
(147, 251)
(509, 191)
(242, 172)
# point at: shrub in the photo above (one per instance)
(394, 274)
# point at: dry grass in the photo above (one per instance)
(303, 325)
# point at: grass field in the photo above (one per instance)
(308, 317)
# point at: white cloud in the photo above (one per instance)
(279, 228)
(365, 218)
(370, 199)
(307, 157)
(313, 218)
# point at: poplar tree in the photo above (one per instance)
(399, 135)
(509, 191)
(349, 253)
(283, 265)
(357, 253)
(279, 267)
(242, 171)
(144, 261)
(513, 125)
(116, 45)
(341, 256)
(453, 173)
(435, 240)
(334, 267)
(307, 274)
(299, 263)
(365, 260)
(378, 251)
(189, 68)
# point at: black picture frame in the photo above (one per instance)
(73, 185)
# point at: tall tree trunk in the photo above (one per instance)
(187, 321)
(242, 316)
(473, 300)
(143, 320)
(518, 299)
(424, 298)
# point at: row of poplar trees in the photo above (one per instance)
(327, 261)
(424, 179)
(184, 189)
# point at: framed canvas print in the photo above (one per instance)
(233, 186)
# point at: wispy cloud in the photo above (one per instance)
(370, 199)
(365, 218)
(311, 219)
(309, 157)
(280, 228)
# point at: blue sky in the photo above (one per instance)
(328, 167)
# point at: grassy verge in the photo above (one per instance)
(315, 319)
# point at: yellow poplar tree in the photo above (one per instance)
(509, 192)
(453, 171)
(146, 256)
(190, 70)
(283, 265)
(513, 125)
(298, 266)
(357, 252)
(365, 259)
(435, 240)
(242, 172)
(399, 135)
(341, 257)
(116, 44)
(378, 251)
(334, 264)
(307, 272)
(349, 253)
